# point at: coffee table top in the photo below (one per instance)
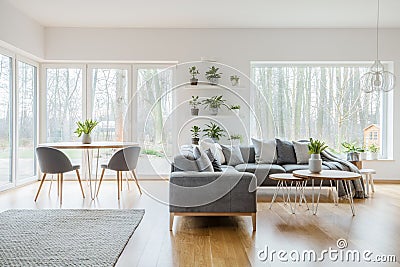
(285, 177)
(327, 175)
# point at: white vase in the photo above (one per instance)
(374, 156)
(315, 163)
(363, 156)
(86, 139)
(214, 111)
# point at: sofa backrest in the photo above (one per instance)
(248, 154)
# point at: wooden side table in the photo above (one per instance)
(283, 180)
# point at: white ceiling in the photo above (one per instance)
(211, 13)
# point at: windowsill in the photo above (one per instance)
(378, 160)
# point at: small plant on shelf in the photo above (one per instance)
(235, 80)
(352, 150)
(213, 131)
(194, 72)
(373, 151)
(235, 108)
(195, 134)
(85, 129)
(315, 147)
(213, 104)
(195, 103)
(212, 75)
(236, 139)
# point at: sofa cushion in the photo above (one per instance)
(182, 163)
(285, 151)
(261, 171)
(232, 155)
(301, 150)
(248, 154)
(265, 151)
(215, 163)
(295, 167)
(215, 148)
(203, 162)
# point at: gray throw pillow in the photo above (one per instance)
(265, 151)
(214, 161)
(301, 150)
(233, 155)
(202, 160)
(285, 151)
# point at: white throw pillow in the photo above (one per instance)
(215, 149)
(301, 150)
(265, 151)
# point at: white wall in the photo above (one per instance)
(21, 32)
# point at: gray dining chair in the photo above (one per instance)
(53, 161)
(124, 160)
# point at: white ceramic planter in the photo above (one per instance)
(363, 156)
(86, 139)
(373, 156)
(213, 111)
(315, 163)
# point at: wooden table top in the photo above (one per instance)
(327, 175)
(285, 177)
(93, 145)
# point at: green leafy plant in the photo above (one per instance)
(195, 131)
(373, 148)
(194, 72)
(236, 137)
(316, 146)
(213, 73)
(235, 78)
(234, 107)
(195, 102)
(85, 127)
(214, 102)
(152, 152)
(213, 131)
(352, 147)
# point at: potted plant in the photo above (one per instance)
(84, 129)
(195, 134)
(213, 75)
(373, 151)
(213, 131)
(194, 103)
(235, 109)
(353, 151)
(214, 104)
(194, 72)
(315, 147)
(235, 80)
(235, 139)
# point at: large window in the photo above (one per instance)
(5, 119)
(110, 102)
(323, 101)
(64, 103)
(26, 120)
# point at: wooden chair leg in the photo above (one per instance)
(254, 221)
(171, 221)
(40, 186)
(101, 179)
(80, 182)
(127, 181)
(120, 181)
(136, 181)
(58, 184)
(61, 186)
(119, 192)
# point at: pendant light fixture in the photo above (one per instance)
(377, 79)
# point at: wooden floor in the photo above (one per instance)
(230, 241)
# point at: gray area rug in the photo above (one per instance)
(65, 237)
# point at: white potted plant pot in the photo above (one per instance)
(374, 155)
(86, 139)
(213, 81)
(353, 156)
(363, 156)
(213, 111)
(315, 163)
